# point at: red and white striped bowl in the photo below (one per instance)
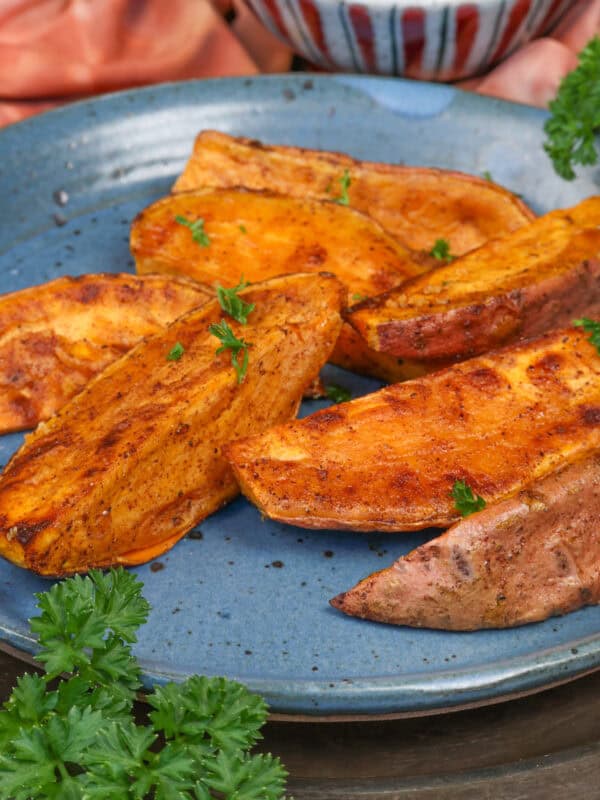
(426, 39)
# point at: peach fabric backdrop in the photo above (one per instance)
(55, 50)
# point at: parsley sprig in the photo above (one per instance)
(230, 342)
(592, 327)
(441, 251)
(196, 226)
(234, 305)
(71, 733)
(464, 500)
(575, 115)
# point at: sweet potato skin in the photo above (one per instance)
(388, 461)
(521, 560)
(520, 285)
(55, 337)
(418, 205)
(134, 461)
(262, 234)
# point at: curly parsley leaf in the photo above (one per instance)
(441, 251)
(575, 115)
(79, 616)
(592, 327)
(230, 342)
(245, 777)
(80, 740)
(234, 305)
(464, 500)
(196, 226)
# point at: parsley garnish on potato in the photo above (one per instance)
(441, 250)
(464, 500)
(175, 352)
(592, 327)
(234, 305)
(196, 226)
(343, 198)
(230, 342)
(72, 732)
(575, 115)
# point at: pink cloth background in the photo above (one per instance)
(55, 50)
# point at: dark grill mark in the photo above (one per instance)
(89, 293)
(26, 531)
(113, 436)
(591, 415)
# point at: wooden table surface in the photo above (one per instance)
(542, 747)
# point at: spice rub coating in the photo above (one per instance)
(415, 204)
(388, 461)
(57, 336)
(524, 559)
(262, 234)
(516, 286)
(134, 461)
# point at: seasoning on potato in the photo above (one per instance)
(56, 337)
(134, 461)
(388, 461)
(417, 205)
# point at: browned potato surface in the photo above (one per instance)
(134, 461)
(55, 337)
(418, 205)
(261, 234)
(388, 461)
(539, 277)
(521, 560)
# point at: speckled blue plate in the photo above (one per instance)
(243, 597)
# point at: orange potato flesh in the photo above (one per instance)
(521, 560)
(388, 461)
(57, 336)
(539, 277)
(260, 235)
(134, 461)
(418, 205)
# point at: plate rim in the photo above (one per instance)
(427, 693)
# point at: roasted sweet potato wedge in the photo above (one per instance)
(521, 560)
(134, 461)
(389, 461)
(418, 205)
(261, 234)
(55, 337)
(520, 285)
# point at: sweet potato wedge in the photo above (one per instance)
(261, 234)
(521, 560)
(55, 337)
(418, 205)
(388, 461)
(134, 461)
(520, 285)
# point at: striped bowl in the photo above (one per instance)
(427, 39)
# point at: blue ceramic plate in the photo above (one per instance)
(244, 597)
